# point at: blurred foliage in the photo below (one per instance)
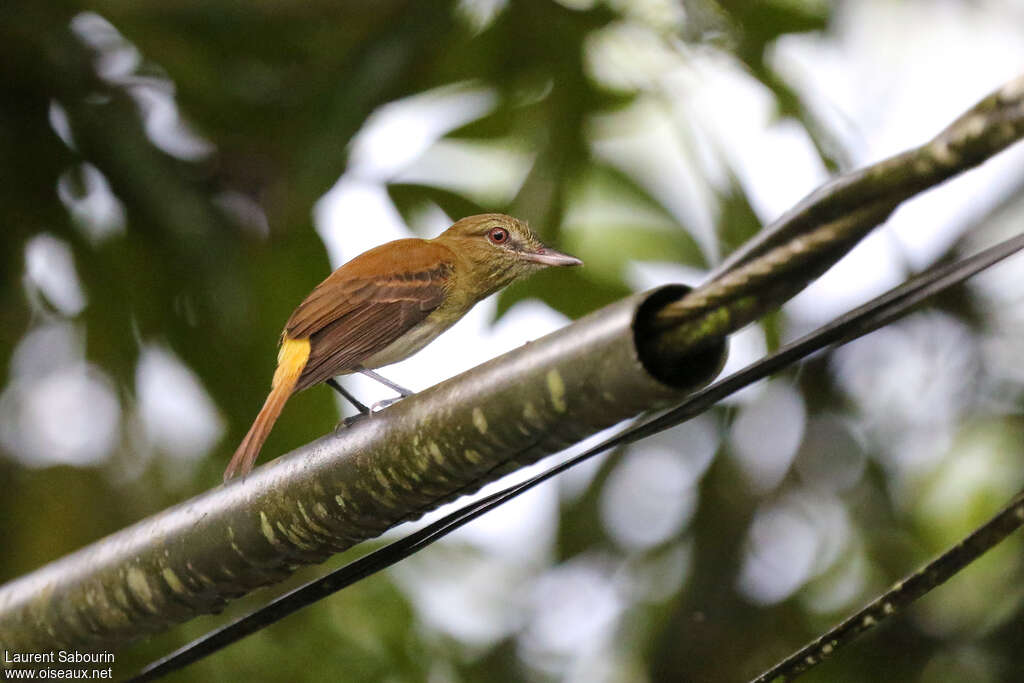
(211, 243)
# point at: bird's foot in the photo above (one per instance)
(350, 420)
(381, 405)
(375, 408)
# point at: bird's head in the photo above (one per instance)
(497, 249)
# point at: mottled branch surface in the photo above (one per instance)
(813, 235)
(631, 357)
(344, 488)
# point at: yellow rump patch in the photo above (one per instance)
(291, 359)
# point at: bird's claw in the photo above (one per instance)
(375, 408)
(350, 420)
(381, 405)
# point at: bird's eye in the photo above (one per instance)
(498, 235)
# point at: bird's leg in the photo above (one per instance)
(404, 393)
(360, 406)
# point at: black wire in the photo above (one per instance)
(858, 322)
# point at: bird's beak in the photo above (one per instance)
(546, 256)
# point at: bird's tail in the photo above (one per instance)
(291, 360)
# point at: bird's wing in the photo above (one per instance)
(367, 304)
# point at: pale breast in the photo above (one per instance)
(413, 340)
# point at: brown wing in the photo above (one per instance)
(367, 304)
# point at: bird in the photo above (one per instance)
(388, 303)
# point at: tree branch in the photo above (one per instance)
(348, 486)
(858, 322)
(812, 236)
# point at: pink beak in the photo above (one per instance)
(549, 257)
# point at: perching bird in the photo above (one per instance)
(388, 303)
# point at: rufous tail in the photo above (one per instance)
(291, 359)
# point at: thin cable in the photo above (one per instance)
(901, 594)
(858, 322)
